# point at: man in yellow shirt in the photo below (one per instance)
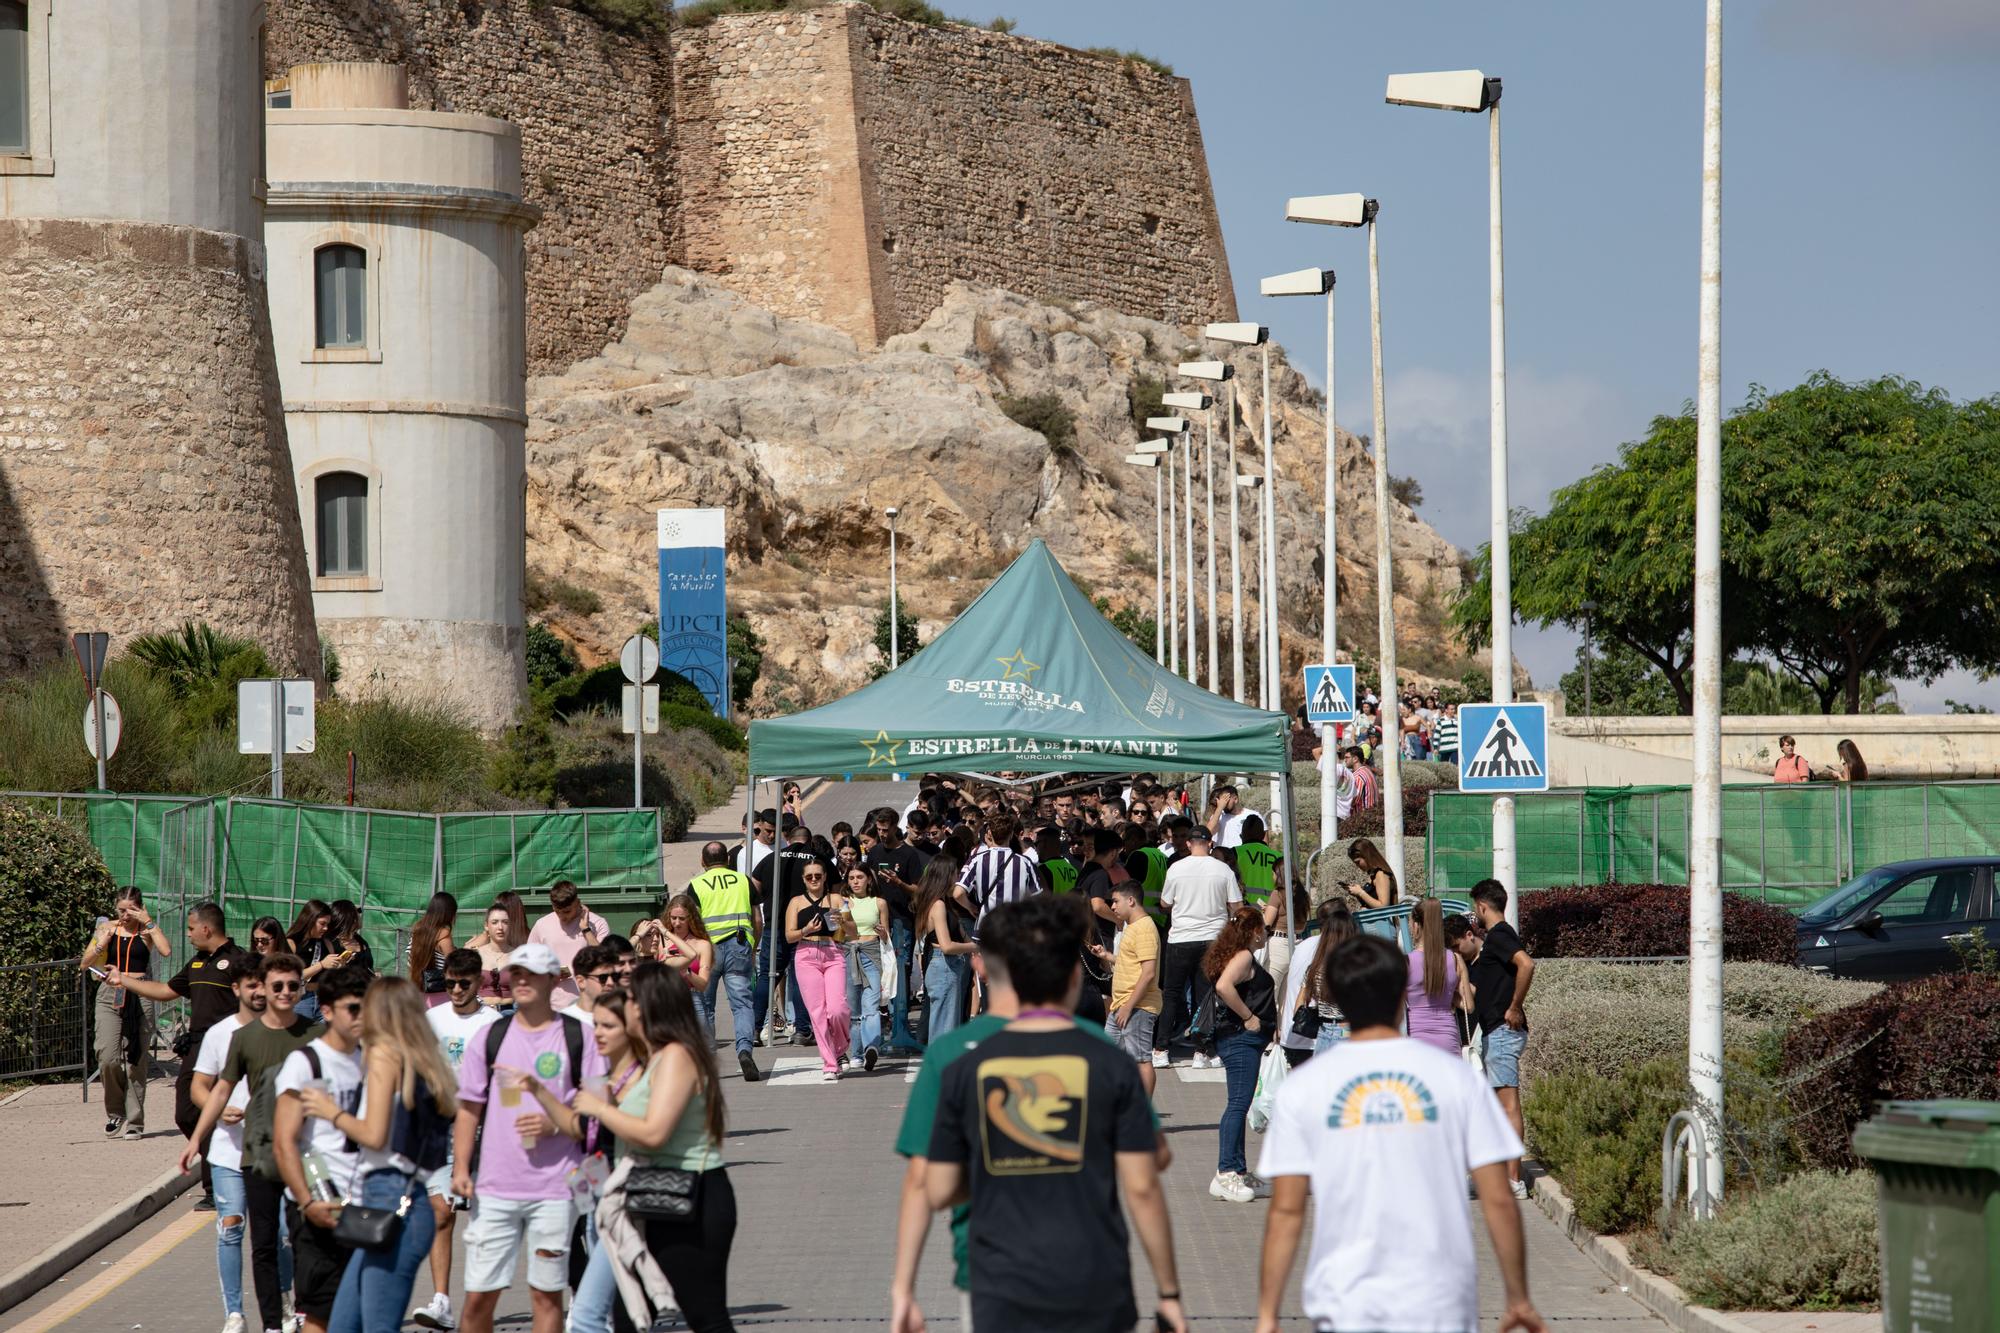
(1135, 979)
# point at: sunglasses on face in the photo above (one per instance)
(353, 1007)
(264, 942)
(460, 983)
(284, 987)
(600, 977)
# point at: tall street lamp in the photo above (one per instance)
(1178, 428)
(1150, 451)
(1354, 210)
(1201, 402)
(1589, 614)
(1320, 282)
(895, 618)
(1252, 483)
(1216, 372)
(1256, 335)
(1471, 90)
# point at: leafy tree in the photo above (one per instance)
(1861, 536)
(1130, 621)
(1143, 397)
(908, 641)
(1622, 684)
(746, 659)
(1954, 706)
(549, 658)
(1408, 490)
(1045, 414)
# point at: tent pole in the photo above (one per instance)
(1291, 849)
(777, 1005)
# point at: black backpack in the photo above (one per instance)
(496, 1033)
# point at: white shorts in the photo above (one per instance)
(438, 1182)
(493, 1241)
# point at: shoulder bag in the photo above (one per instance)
(659, 1193)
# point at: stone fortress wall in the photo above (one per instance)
(833, 164)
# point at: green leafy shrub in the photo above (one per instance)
(53, 886)
(1600, 1135)
(1930, 1038)
(1585, 1015)
(410, 753)
(574, 598)
(1808, 1243)
(1045, 414)
(550, 659)
(685, 717)
(1646, 921)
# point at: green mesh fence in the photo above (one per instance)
(1785, 843)
(267, 858)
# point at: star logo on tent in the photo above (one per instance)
(881, 750)
(1018, 667)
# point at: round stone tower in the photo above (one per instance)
(399, 306)
(144, 478)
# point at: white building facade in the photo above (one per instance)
(398, 310)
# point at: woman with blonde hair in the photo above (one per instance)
(403, 1128)
(682, 940)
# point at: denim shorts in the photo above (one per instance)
(1136, 1037)
(1501, 1050)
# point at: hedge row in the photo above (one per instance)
(1648, 921)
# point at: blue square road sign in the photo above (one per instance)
(1329, 693)
(1503, 747)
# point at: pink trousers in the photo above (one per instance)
(822, 970)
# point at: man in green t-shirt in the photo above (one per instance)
(913, 1139)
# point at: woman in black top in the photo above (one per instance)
(126, 941)
(267, 936)
(1246, 1014)
(308, 939)
(948, 973)
(345, 932)
(430, 941)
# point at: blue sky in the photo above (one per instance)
(1860, 199)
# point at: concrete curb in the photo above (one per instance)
(1656, 1293)
(79, 1245)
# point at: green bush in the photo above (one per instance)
(550, 660)
(53, 887)
(1045, 414)
(575, 598)
(41, 730)
(682, 717)
(1808, 1243)
(1590, 1016)
(409, 754)
(1600, 1135)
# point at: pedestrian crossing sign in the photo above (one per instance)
(1329, 693)
(1503, 747)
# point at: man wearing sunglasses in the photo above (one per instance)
(256, 1052)
(458, 1025)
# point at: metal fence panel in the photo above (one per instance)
(44, 1020)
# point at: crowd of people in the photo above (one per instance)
(1045, 953)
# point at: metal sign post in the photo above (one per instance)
(91, 649)
(275, 717)
(639, 659)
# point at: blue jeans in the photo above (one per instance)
(733, 966)
(308, 1005)
(375, 1291)
(864, 996)
(902, 940)
(1239, 1053)
(228, 1184)
(590, 1310)
(946, 980)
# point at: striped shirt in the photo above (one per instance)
(1444, 734)
(996, 875)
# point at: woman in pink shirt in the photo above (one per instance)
(1792, 766)
(1433, 984)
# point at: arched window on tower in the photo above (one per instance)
(342, 501)
(340, 291)
(13, 77)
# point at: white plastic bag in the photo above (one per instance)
(892, 978)
(1270, 1077)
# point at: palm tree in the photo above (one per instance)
(189, 658)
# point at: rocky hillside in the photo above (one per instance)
(709, 400)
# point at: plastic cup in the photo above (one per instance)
(510, 1093)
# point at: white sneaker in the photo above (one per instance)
(830, 1076)
(1520, 1189)
(1229, 1187)
(1160, 1060)
(233, 1324)
(1201, 1061)
(437, 1314)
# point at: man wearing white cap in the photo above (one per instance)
(522, 1190)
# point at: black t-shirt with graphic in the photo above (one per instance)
(1037, 1119)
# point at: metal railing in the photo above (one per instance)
(44, 1020)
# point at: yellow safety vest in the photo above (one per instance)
(724, 895)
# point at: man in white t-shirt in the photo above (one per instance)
(1198, 893)
(1386, 1128)
(458, 1025)
(1226, 815)
(225, 1147)
(314, 1085)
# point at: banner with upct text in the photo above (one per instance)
(694, 637)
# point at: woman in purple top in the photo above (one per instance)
(1433, 985)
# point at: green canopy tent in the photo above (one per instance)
(1030, 678)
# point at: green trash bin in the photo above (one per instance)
(1937, 1171)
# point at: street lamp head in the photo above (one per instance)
(1247, 335)
(1588, 606)
(1444, 90)
(1171, 425)
(1194, 401)
(1303, 282)
(1248, 482)
(891, 511)
(1142, 460)
(1155, 446)
(1331, 210)
(1206, 370)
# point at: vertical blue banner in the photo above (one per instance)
(694, 604)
